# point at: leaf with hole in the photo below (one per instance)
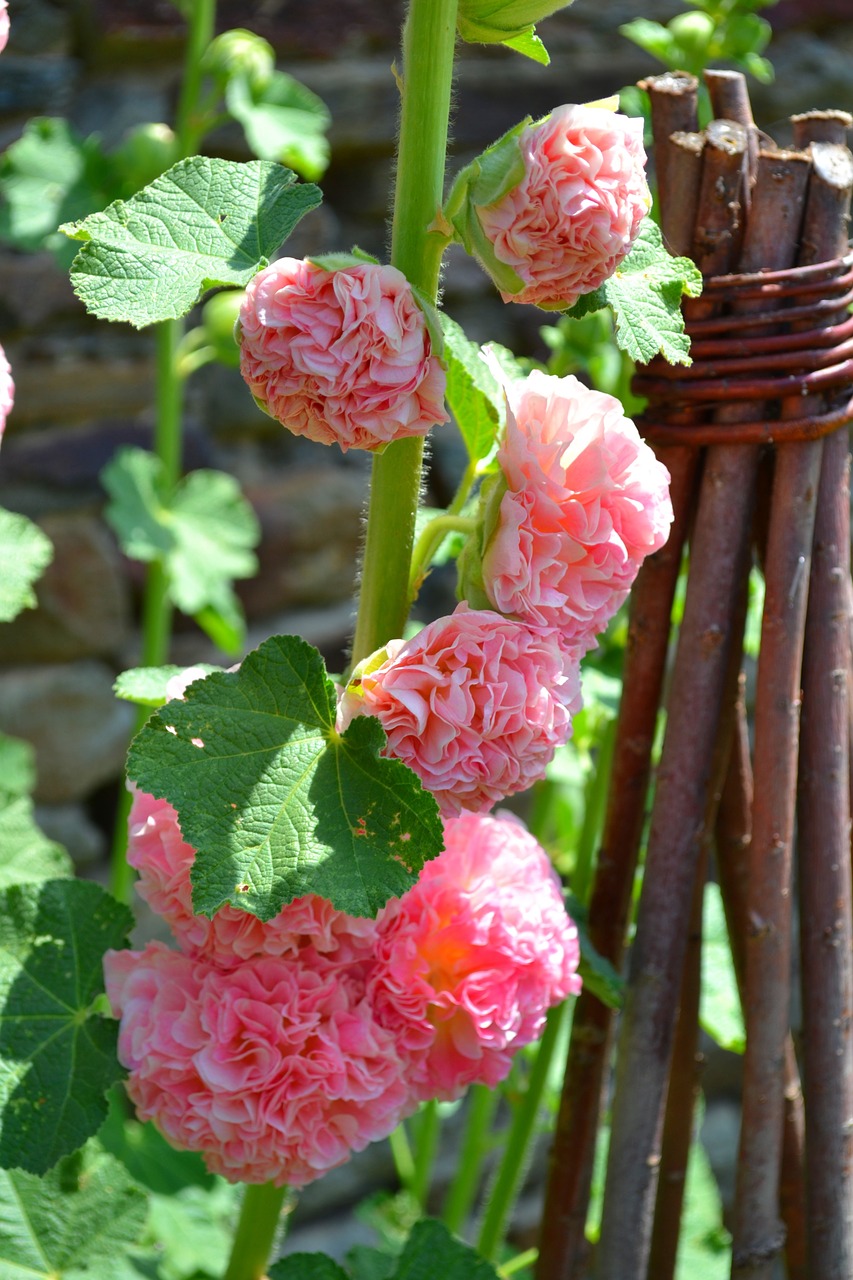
(278, 803)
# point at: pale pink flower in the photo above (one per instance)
(474, 955)
(343, 357)
(7, 386)
(576, 212)
(476, 704)
(4, 24)
(309, 927)
(274, 1071)
(586, 502)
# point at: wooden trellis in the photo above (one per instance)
(754, 435)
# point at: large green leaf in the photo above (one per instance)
(275, 801)
(26, 854)
(283, 120)
(25, 553)
(50, 175)
(307, 1266)
(204, 222)
(192, 1231)
(474, 395)
(57, 1054)
(17, 766)
(146, 686)
(202, 532)
(77, 1223)
(645, 293)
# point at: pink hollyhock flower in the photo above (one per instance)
(567, 225)
(4, 24)
(7, 386)
(309, 927)
(473, 956)
(475, 704)
(274, 1071)
(586, 501)
(343, 357)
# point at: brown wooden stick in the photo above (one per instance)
(685, 1068)
(719, 557)
(734, 836)
(824, 824)
(673, 101)
(821, 126)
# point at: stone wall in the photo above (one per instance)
(84, 387)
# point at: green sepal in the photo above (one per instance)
(507, 22)
(471, 585)
(341, 261)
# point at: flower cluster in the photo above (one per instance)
(570, 221)
(278, 1048)
(340, 356)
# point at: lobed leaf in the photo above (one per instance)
(431, 1250)
(57, 1055)
(282, 121)
(74, 1224)
(275, 801)
(645, 293)
(25, 553)
(27, 853)
(204, 222)
(202, 532)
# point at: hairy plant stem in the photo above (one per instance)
(516, 1152)
(429, 36)
(168, 433)
(256, 1229)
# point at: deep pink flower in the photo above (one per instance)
(274, 1071)
(476, 704)
(7, 386)
(586, 502)
(473, 956)
(343, 357)
(163, 859)
(565, 228)
(4, 24)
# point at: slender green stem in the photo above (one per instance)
(432, 536)
(256, 1231)
(518, 1263)
(401, 1152)
(427, 1134)
(593, 819)
(516, 1153)
(428, 41)
(190, 124)
(474, 1147)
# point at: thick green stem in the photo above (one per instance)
(428, 40)
(253, 1240)
(516, 1153)
(191, 123)
(427, 1129)
(475, 1146)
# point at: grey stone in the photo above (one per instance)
(78, 728)
(71, 826)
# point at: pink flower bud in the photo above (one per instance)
(581, 501)
(476, 704)
(564, 228)
(342, 357)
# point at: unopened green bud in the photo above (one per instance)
(218, 320)
(693, 33)
(240, 53)
(147, 151)
(469, 566)
(496, 21)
